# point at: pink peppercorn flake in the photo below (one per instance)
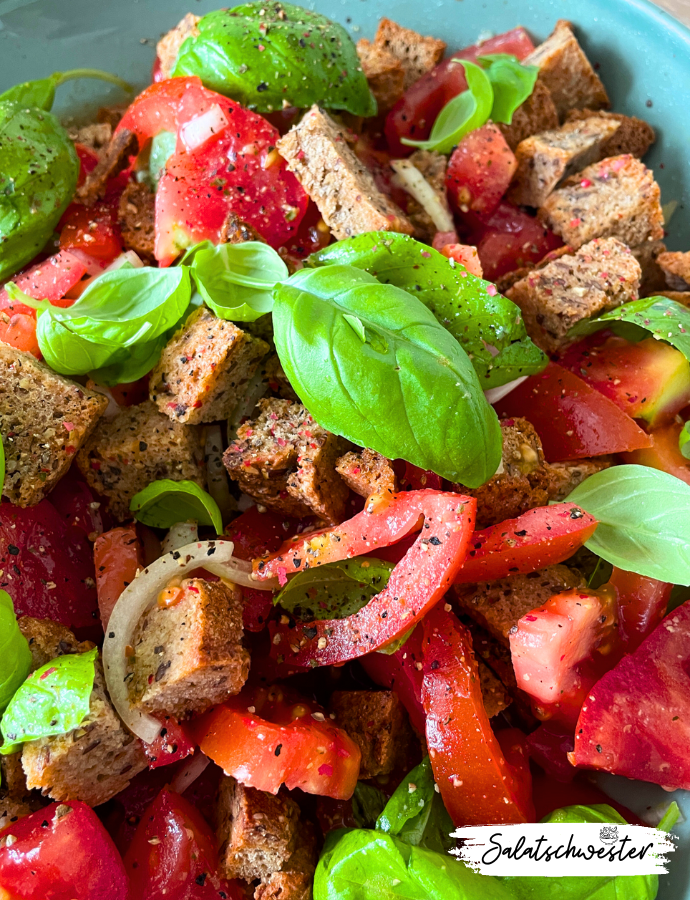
(48, 672)
(492, 290)
(326, 769)
(575, 222)
(68, 426)
(586, 183)
(282, 576)
(426, 254)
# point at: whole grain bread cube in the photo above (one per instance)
(13, 810)
(236, 231)
(285, 461)
(169, 45)
(377, 722)
(602, 275)
(676, 269)
(566, 71)
(505, 282)
(545, 159)
(317, 151)
(617, 197)
(634, 136)
(13, 781)
(384, 72)
(432, 166)
(44, 420)
(652, 279)
(257, 831)
(136, 215)
(367, 473)
(189, 656)
(48, 639)
(295, 879)
(538, 113)
(204, 369)
(498, 605)
(96, 135)
(137, 446)
(113, 159)
(417, 54)
(494, 694)
(567, 475)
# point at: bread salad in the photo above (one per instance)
(346, 469)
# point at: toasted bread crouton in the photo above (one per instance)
(566, 72)
(169, 45)
(285, 461)
(136, 214)
(498, 605)
(96, 136)
(634, 136)
(44, 420)
(679, 296)
(367, 473)
(13, 780)
(235, 231)
(652, 279)
(12, 810)
(505, 282)
(277, 380)
(676, 269)
(616, 197)
(257, 831)
(48, 639)
(317, 151)
(295, 879)
(567, 475)
(417, 54)
(93, 762)
(113, 159)
(137, 446)
(384, 72)
(432, 167)
(538, 113)
(546, 159)
(189, 656)
(602, 275)
(494, 694)
(377, 722)
(204, 369)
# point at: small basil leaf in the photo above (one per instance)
(487, 325)
(680, 593)
(41, 93)
(334, 590)
(670, 818)
(684, 440)
(130, 365)
(236, 281)
(367, 803)
(512, 83)
(644, 520)
(162, 148)
(15, 656)
(267, 55)
(409, 799)
(420, 400)
(53, 700)
(164, 503)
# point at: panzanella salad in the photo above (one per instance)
(344, 401)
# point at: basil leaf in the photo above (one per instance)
(130, 365)
(486, 324)
(464, 113)
(670, 818)
(53, 700)
(41, 93)
(419, 399)
(38, 176)
(644, 520)
(512, 83)
(334, 590)
(162, 148)
(237, 280)
(164, 503)
(367, 803)
(267, 55)
(684, 441)
(15, 656)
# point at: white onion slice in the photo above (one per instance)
(214, 556)
(199, 129)
(180, 535)
(411, 180)
(216, 476)
(189, 773)
(493, 395)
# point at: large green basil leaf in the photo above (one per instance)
(512, 83)
(371, 363)
(38, 175)
(367, 803)
(644, 520)
(126, 366)
(268, 55)
(41, 93)
(15, 656)
(487, 325)
(164, 503)
(53, 700)
(335, 590)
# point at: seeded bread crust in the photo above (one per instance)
(567, 475)
(136, 215)
(44, 420)
(417, 54)
(295, 879)
(113, 159)
(538, 113)
(494, 694)
(652, 279)
(367, 473)
(169, 45)
(384, 72)
(48, 639)
(634, 136)
(676, 269)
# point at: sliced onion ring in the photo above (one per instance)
(214, 556)
(190, 772)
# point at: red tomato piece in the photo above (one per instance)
(477, 784)
(549, 794)
(267, 737)
(642, 604)
(61, 852)
(47, 280)
(415, 585)
(88, 160)
(312, 235)
(636, 719)
(117, 557)
(540, 537)
(510, 239)
(94, 230)
(549, 746)
(466, 255)
(417, 479)
(156, 108)
(174, 742)
(77, 506)
(571, 418)
(20, 332)
(480, 170)
(398, 672)
(663, 453)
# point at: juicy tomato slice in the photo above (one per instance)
(173, 854)
(156, 108)
(20, 332)
(663, 453)
(88, 160)
(417, 479)
(47, 280)
(173, 743)
(415, 585)
(117, 557)
(94, 230)
(540, 537)
(480, 170)
(466, 255)
(76, 504)
(268, 737)
(572, 419)
(61, 852)
(642, 604)
(398, 672)
(549, 746)
(477, 784)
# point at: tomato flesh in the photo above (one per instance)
(398, 672)
(509, 239)
(94, 230)
(663, 453)
(173, 743)
(47, 280)
(466, 255)
(480, 170)
(642, 604)
(117, 556)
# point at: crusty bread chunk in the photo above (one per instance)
(136, 215)
(602, 275)
(634, 136)
(384, 72)
(317, 151)
(285, 461)
(113, 159)
(538, 113)
(567, 475)
(566, 71)
(498, 605)
(12, 810)
(137, 446)
(617, 197)
(652, 279)
(367, 473)
(44, 420)
(545, 159)
(416, 53)
(48, 639)
(189, 656)
(676, 269)
(680, 296)
(494, 694)
(432, 167)
(204, 369)
(169, 45)
(295, 879)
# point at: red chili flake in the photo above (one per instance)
(282, 576)
(492, 290)
(69, 449)
(95, 464)
(574, 222)
(48, 672)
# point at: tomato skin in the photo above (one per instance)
(117, 557)
(173, 743)
(20, 332)
(572, 419)
(477, 784)
(94, 230)
(540, 537)
(466, 255)
(642, 604)
(549, 746)
(47, 280)
(398, 672)
(70, 858)
(663, 453)
(480, 170)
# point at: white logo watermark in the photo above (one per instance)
(559, 849)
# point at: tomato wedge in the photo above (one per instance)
(117, 556)
(477, 784)
(642, 604)
(47, 280)
(416, 584)
(663, 453)
(540, 537)
(398, 672)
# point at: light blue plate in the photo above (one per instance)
(643, 56)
